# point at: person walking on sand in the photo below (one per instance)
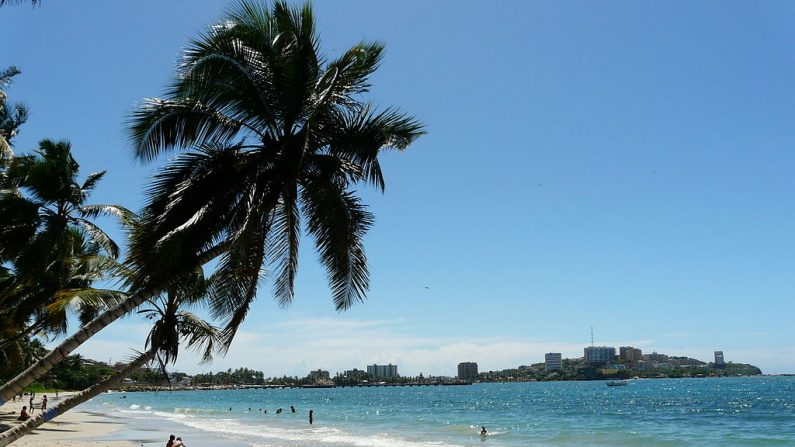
(311, 416)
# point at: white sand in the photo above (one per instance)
(72, 429)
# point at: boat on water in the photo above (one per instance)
(617, 383)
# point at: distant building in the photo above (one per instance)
(318, 375)
(467, 371)
(656, 358)
(719, 362)
(599, 355)
(630, 354)
(553, 361)
(643, 365)
(354, 373)
(382, 371)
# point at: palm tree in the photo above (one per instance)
(46, 234)
(172, 324)
(11, 117)
(55, 251)
(271, 133)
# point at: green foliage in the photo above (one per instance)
(16, 356)
(240, 376)
(11, 116)
(274, 138)
(76, 373)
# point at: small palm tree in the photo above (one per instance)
(173, 323)
(11, 117)
(54, 250)
(45, 229)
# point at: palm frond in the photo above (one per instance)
(338, 222)
(86, 301)
(199, 335)
(91, 181)
(99, 237)
(162, 125)
(126, 216)
(283, 247)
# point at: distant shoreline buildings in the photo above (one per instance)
(553, 361)
(382, 371)
(468, 371)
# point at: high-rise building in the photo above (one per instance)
(467, 371)
(599, 355)
(719, 362)
(553, 361)
(382, 371)
(630, 354)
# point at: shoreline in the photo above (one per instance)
(88, 427)
(74, 428)
(142, 388)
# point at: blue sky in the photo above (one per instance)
(621, 165)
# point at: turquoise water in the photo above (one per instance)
(755, 411)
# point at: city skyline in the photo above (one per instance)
(355, 367)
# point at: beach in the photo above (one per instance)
(73, 429)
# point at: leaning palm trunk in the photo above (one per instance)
(28, 426)
(41, 367)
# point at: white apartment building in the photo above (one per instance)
(553, 361)
(599, 355)
(382, 371)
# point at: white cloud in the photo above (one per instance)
(297, 346)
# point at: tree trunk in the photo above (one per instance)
(9, 436)
(43, 365)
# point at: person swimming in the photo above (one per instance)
(292, 408)
(483, 431)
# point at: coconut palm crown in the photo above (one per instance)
(48, 237)
(273, 139)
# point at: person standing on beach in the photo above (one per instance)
(311, 416)
(30, 403)
(43, 403)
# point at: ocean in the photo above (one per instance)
(737, 411)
